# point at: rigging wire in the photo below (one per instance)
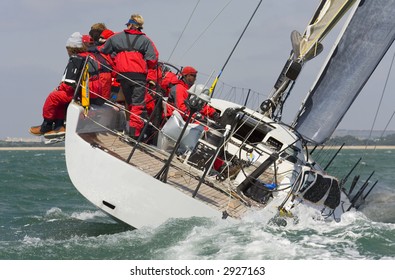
(385, 128)
(362, 167)
(204, 31)
(381, 99)
(234, 48)
(185, 27)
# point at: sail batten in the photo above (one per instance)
(364, 42)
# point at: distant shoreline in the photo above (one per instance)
(62, 148)
(30, 148)
(361, 147)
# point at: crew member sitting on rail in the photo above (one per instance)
(55, 105)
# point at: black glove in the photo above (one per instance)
(151, 85)
(216, 117)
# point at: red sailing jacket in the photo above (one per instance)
(115, 85)
(169, 79)
(165, 80)
(178, 95)
(134, 52)
(100, 79)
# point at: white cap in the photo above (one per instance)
(75, 40)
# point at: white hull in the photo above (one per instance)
(139, 199)
(96, 161)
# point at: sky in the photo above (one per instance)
(33, 54)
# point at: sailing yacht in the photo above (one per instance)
(266, 164)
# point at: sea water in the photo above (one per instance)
(43, 217)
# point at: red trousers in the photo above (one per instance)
(55, 105)
(135, 93)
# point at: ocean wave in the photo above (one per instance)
(88, 215)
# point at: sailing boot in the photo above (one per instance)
(46, 126)
(131, 131)
(58, 124)
(58, 130)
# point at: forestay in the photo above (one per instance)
(363, 44)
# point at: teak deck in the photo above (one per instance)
(183, 177)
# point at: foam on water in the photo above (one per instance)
(256, 237)
(93, 235)
(88, 215)
(44, 217)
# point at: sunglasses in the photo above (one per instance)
(193, 75)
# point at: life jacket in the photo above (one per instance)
(73, 70)
(134, 52)
(177, 95)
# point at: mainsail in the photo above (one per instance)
(363, 44)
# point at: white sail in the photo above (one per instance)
(326, 17)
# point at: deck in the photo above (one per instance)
(185, 178)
